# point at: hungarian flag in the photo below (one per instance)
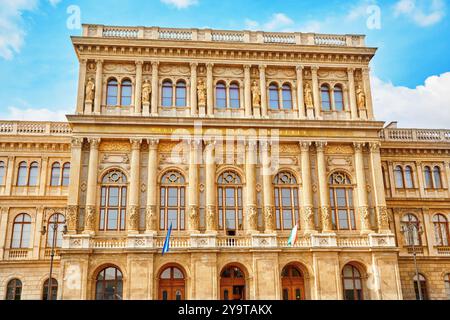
(166, 246)
(294, 237)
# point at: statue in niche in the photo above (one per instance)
(90, 90)
(256, 94)
(308, 96)
(146, 91)
(201, 91)
(361, 98)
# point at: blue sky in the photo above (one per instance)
(410, 73)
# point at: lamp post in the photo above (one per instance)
(54, 225)
(408, 230)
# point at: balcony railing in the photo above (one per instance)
(178, 34)
(445, 251)
(35, 128)
(415, 135)
(18, 254)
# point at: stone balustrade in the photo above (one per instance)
(156, 33)
(415, 135)
(35, 128)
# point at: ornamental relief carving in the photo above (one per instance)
(115, 146)
(337, 75)
(174, 70)
(281, 73)
(339, 149)
(228, 72)
(335, 161)
(119, 68)
(115, 158)
(289, 148)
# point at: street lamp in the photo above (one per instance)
(409, 229)
(54, 225)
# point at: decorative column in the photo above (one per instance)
(194, 161)
(98, 87)
(368, 92)
(300, 96)
(155, 89)
(209, 90)
(133, 199)
(248, 91)
(43, 176)
(3, 229)
(194, 111)
(363, 207)
(138, 89)
(151, 214)
(74, 185)
(307, 214)
(91, 192)
(315, 89)
(269, 209)
(263, 88)
(210, 182)
(324, 197)
(81, 86)
(250, 177)
(379, 193)
(352, 93)
(10, 175)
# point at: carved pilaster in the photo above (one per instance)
(151, 218)
(252, 218)
(307, 214)
(194, 218)
(72, 218)
(364, 214)
(133, 218)
(382, 218)
(211, 218)
(325, 214)
(269, 219)
(90, 218)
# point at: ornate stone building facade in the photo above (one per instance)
(229, 139)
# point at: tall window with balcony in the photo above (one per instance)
(341, 200)
(338, 98)
(60, 176)
(441, 230)
(167, 94)
(404, 178)
(126, 93)
(432, 177)
(180, 94)
(221, 95)
(57, 222)
(173, 203)
(21, 232)
(234, 96)
(325, 97)
(112, 91)
(286, 96)
(113, 201)
(412, 235)
(274, 97)
(229, 191)
(286, 200)
(27, 176)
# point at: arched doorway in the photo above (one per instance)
(292, 283)
(232, 283)
(172, 284)
(109, 284)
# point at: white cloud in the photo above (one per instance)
(32, 114)
(180, 4)
(424, 13)
(54, 2)
(278, 21)
(251, 24)
(426, 106)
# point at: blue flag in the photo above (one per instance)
(166, 246)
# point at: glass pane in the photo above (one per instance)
(399, 178)
(221, 96)
(428, 180)
(343, 220)
(167, 95)
(22, 180)
(338, 99)
(286, 197)
(172, 197)
(55, 176)
(287, 219)
(34, 172)
(230, 197)
(113, 199)
(181, 97)
(326, 105)
(340, 198)
(165, 274)
(113, 216)
(273, 96)
(287, 98)
(177, 274)
(437, 178)
(285, 294)
(164, 295)
(230, 220)
(172, 218)
(126, 93)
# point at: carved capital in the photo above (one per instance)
(193, 66)
(299, 68)
(358, 146)
(94, 142)
(320, 146)
(375, 146)
(153, 143)
(265, 145)
(250, 145)
(305, 146)
(99, 62)
(262, 68)
(77, 143)
(247, 67)
(139, 62)
(209, 66)
(136, 143)
(155, 64)
(314, 70)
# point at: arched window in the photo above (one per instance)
(398, 172)
(287, 97)
(234, 96)
(292, 283)
(428, 178)
(56, 222)
(441, 230)
(167, 93)
(411, 235)
(53, 290)
(126, 92)
(341, 200)
(229, 191)
(2, 173)
(437, 177)
(56, 175)
(352, 283)
(66, 174)
(286, 200)
(172, 284)
(113, 204)
(232, 283)
(423, 287)
(338, 98)
(180, 94)
(274, 98)
(385, 184)
(447, 285)
(112, 91)
(109, 284)
(326, 99)
(172, 201)
(34, 174)
(409, 177)
(21, 232)
(221, 95)
(14, 290)
(22, 174)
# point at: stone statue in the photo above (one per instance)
(201, 91)
(361, 98)
(256, 94)
(90, 90)
(146, 91)
(308, 97)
